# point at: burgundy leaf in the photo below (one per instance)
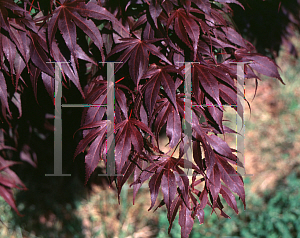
(169, 188)
(64, 18)
(160, 77)
(200, 215)
(68, 30)
(9, 51)
(80, 54)
(161, 118)
(173, 211)
(96, 113)
(185, 27)
(230, 97)
(89, 28)
(10, 4)
(234, 37)
(3, 94)
(19, 65)
(145, 175)
(39, 56)
(128, 135)
(222, 74)
(265, 66)
(136, 52)
(185, 221)
(197, 154)
(136, 139)
(49, 84)
(137, 172)
(231, 1)
(203, 198)
(121, 100)
(20, 39)
(93, 156)
(142, 126)
(208, 81)
(8, 196)
(216, 113)
(154, 185)
(34, 74)
(95, 11)
(182, 182)
(204, 5)
(173, 129)
(214, 181)
(229, 198)
(193, 32)
(68, 69)
(9, 180)
(155, 9)
(123, 146)
(127, 170)
(220, 146)
(90, 136)
(148, 32)
(231, 178)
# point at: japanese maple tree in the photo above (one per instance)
(150, 38)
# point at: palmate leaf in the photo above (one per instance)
(14, 42)
(166, 173)
(98, 97)
(93, 156)
(11, 5)
(160, 77)
(96, 113)
(100, 13)
(220, 146)
(168, 186)
(39, 55)
(216, 113)
(66, 17)
(70, 69)
(231, 178)
(96, 133)
(137, 54)
(208, 82)
(166, 114)
(185, 27)
(154, 184)
(127, 135)
(264, 65)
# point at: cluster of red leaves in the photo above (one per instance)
(150, 37)
(8, 179)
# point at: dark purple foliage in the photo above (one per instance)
(150, 37)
